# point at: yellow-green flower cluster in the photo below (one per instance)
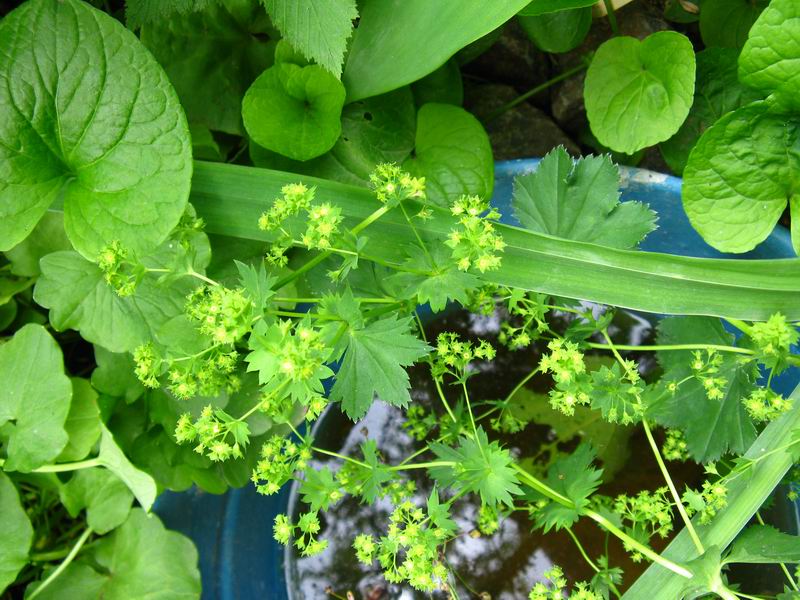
(705, 367)
(280, 458)
(392, 185)
(554, 588)
(419, 422)
(118, 272)
(773, 340)
(648, 512)
(675, 446)
(765, 405)
(410, 551)
(712, 498)
(223, 314)
(218, 435)
(323, 223)
(295, 197)
(453, 355)
(488, 519)
(475, 244)
(308, 524)
(572, 386)
(148, 364)
(532, 310)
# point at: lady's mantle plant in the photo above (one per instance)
(204, 364)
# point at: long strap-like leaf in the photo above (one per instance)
(230, 198)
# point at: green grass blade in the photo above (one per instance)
(230, 198)
(746, 495)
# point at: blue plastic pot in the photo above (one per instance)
(233, 532)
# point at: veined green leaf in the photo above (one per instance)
(770, 57)
(452, 153)
(717, 92)
(764, 544)
(231, 198)
(88, 116)
(741, 175)
(190, 47)
(543, 7)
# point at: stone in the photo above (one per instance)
(523, 131)
(512, 60)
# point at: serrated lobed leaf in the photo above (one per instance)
(579, 200)
(480, 467)
(319, 29)
(712, 427)
(574, 477)
(763, 544)
(373, 365)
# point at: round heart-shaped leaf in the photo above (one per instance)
(294, 111)
(638, 93)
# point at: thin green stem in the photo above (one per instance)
(302, 315)
(370, 219)
(612, 16)
(60, 569)
(444, 400)
(317, 300)
(542, 487)
(419, 239)
(665, 348)
(341, 457)
(661, 465)
(424, 465)
(73, 466)
(283, 281)
(639, 547)
(740, 325)
(471, 418)
(673, 490)
(260, 403)
(578, 545)
(208, 280)
(539, 88)
(520, 385)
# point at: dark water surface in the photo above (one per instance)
(505, 565)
